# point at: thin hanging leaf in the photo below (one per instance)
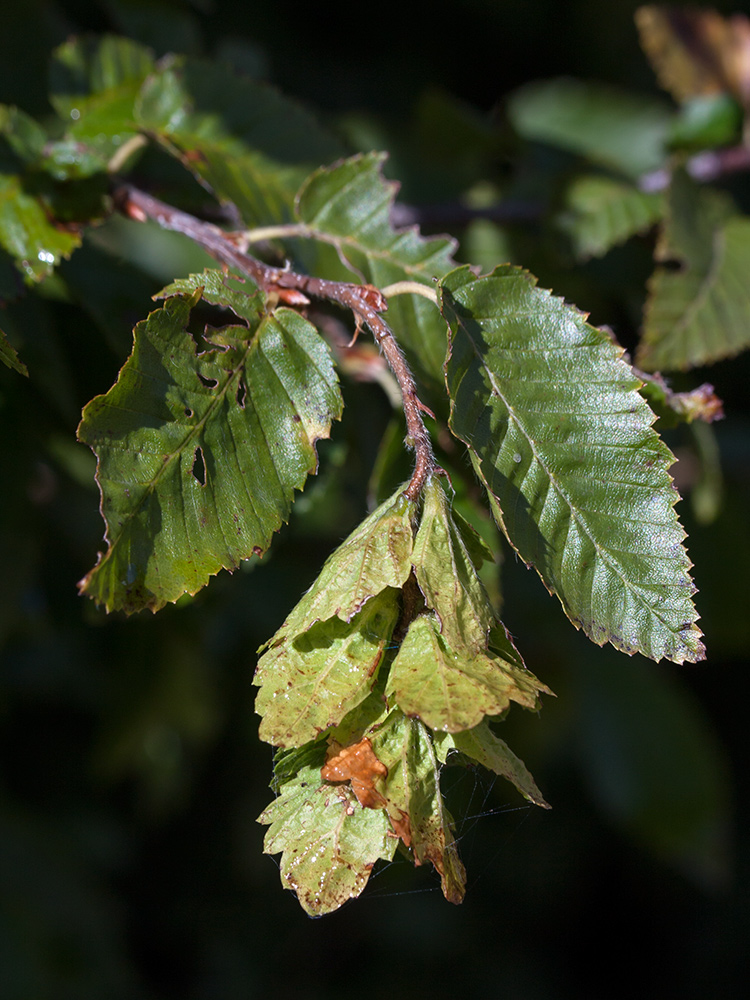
(199, 454)
(700, 312)
(452, 689)
(349, 206)
(447, 577)
(309, 683)
(375, 556)
(240, 137)
(575, 474)
(599, 212)
(328, 841)
(481, 744)
(414, 802)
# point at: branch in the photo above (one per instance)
(366, 302)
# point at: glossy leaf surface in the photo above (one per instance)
(575, 474)
(199, 454)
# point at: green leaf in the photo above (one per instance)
(24, 134)
(600, 212)
(412, 793)
(199, 454)
(28, 233)
(481, 745)
(375, 556)
(575, 474)
(328, 841)
(309, 683)
(700, 312)
(240, 137)
(447, 577)
(9, 355)
(452, 689)
(225, 290)
(348, 206)
(94, 86)
(613, 128)
(707, 121)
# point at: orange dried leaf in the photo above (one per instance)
(359, 765)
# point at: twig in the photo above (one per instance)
(366, 302)
(706, 166)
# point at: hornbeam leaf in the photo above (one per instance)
(600, 212)
(220, 289)
(453, 689)
(328, 841)
(27, 233)
(199, 455)
(701, 312)
(349, 206)
(481, 745)
(9, 355)
(376, 555)
(249, 144)
(575, 474)
(612, 127)
(447, 577)
(413, 800)
(308, 684)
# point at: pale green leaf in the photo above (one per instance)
(348, 206)
(576, 476)
(376, 555)
(328, 841)
(451, 689)
(611, 127)
(309, 683)
(699, 312)
(9, 355)
(199, 455)
(249, 144)
(481, 745)
(414, 801)
(599, 212)
(447, 576)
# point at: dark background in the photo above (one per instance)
(130, 769)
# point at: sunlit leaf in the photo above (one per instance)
(699, 312)
(348, 206)
(376, 555)
(453, 689)
(447, 577)
(220, 289)
(599, 212)
(614, 128)
(27, 232)
(199, 454)
(249, 144)
(414, 801)
(309, 683)
(575, 474)
(481, 745)
(328, 842)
